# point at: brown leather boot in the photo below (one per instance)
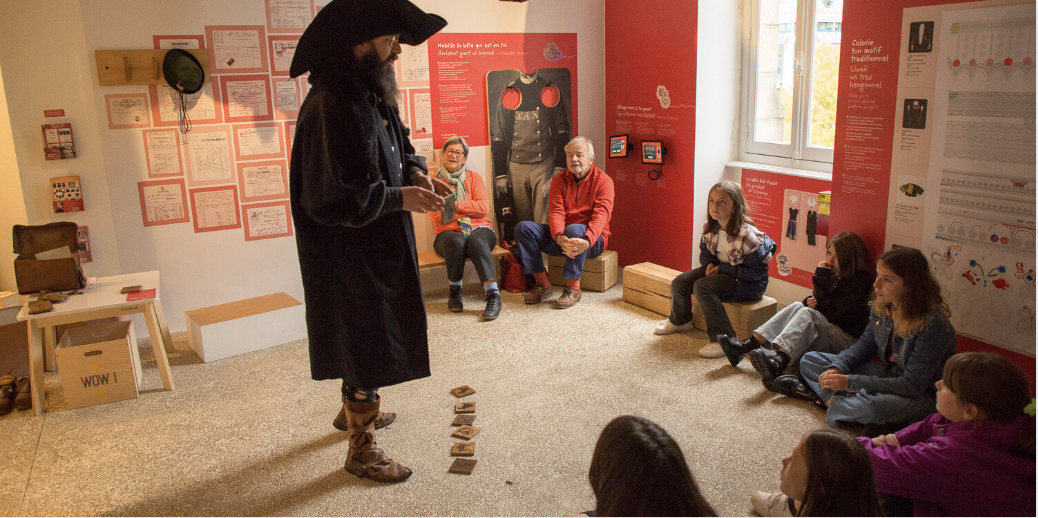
(383, 420)
(366, 459)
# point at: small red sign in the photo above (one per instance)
(53, 113)
(140, 295)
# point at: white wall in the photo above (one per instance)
(717, 101)
(12, 208)
(46, 54)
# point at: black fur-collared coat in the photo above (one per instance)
(365, 313)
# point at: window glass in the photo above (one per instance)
(825, 67)
(775, 69)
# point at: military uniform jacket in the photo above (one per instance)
(365, 313)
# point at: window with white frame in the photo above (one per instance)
(790, 79)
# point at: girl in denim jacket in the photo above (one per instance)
(888, 376)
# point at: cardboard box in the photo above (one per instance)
(99, 364)
(243, 326)
(599, 273)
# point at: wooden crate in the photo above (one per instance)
(647, 285)
(599, 273)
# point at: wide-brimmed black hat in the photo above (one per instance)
(343, 24)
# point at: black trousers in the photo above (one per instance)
(454, 247)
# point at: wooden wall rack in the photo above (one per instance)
(138, 67)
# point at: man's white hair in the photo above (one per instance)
(583, 140)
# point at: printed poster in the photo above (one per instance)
(163, 202)
(267, 220)
(215, 208)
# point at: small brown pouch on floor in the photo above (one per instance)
(463, 466)
(463, 449)
(465, 432)
(463, 391)
(463, 419)
(465, 408)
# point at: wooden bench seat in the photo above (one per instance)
(430, 258)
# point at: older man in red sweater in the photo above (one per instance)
(580, 206)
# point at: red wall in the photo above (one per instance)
(648, 45)
(859, 190)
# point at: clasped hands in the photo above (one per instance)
(833, 379)
(426, 195)
(572, 246)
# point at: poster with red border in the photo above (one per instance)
(263, 181)
(287, 99)
(267, 220)
(236, 49)
(126, 111)
(163, 202)
(290, 136)
(215, 208)
(412, 67)
(203, 106)
(174, 41)
(769, 196)
(419, 104)
(458, 65)
(258, 141)
(282, 50)
(162, 152)
(246, 98)
(209, 156)
(288, 16)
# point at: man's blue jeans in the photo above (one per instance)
(534, 238)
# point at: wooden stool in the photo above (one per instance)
(599, 272)
(647, 285)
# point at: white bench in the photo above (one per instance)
(234, 328)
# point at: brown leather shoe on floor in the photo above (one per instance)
(23, 399)
(537, 294)
(568, 299)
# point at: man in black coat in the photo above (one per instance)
(354, 181)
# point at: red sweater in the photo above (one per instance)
(475, 207)
(588, 202)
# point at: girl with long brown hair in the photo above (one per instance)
(910, 333)
(733, 267)
(827, 474)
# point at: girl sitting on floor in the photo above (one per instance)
(910, 333)
(638, 470)
(830, 320)
(828, 474)
(732, 269)
(975, 456)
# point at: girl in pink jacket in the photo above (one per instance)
(976, 456)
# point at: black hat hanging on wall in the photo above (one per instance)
(184, 74)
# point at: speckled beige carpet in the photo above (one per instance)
(252, 434)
